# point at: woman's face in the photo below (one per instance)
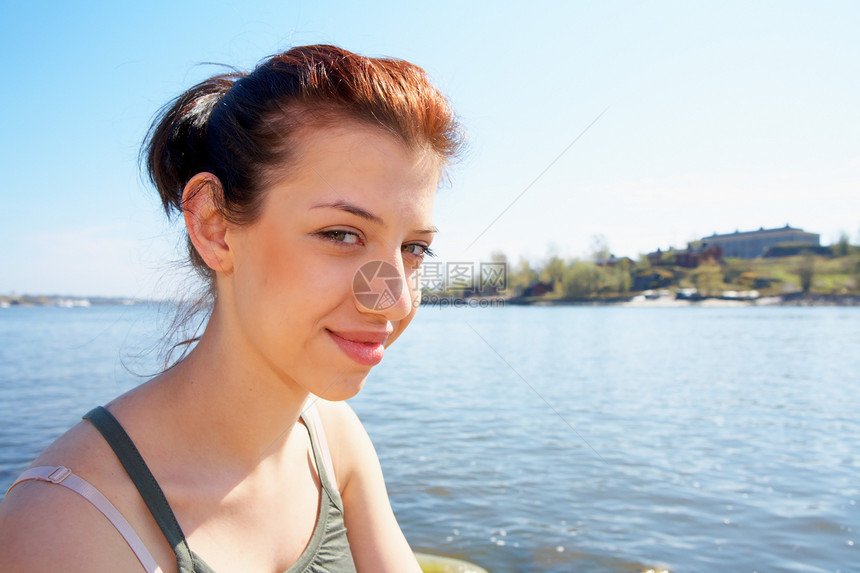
(357, 201)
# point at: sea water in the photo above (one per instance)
(556, 438)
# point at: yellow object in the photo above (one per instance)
(438, 564)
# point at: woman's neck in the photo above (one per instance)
(227, 401)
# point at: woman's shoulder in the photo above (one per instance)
(84, 451)
(337, 417)
(77, 446)
(349, 444)
(377, 541)
(46, 527)
(341, 423)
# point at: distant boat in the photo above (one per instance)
(71, 303)
(688, 294)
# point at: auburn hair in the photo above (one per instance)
(242, 127)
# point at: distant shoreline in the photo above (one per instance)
(638, 301)
(7, 301)
(793, 299)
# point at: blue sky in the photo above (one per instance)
(718, 116)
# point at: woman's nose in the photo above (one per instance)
(382, 287)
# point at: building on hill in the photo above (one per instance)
(753, 244)
(696, 254)
(539, 289)
(691, 257)
(613, 261)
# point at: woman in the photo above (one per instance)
(296, 182)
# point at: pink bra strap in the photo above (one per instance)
(312, 415)
(61, 475)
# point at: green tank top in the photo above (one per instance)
(327, 552)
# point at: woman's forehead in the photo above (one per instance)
(360, 169)
(358, 153)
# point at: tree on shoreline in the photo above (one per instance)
(805, 271)
(708, 278)
(843, 246)
(581, 279)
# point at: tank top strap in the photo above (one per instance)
(136, 468)
(322, 455)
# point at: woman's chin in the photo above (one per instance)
(344, 388)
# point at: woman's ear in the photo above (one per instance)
(207, 227)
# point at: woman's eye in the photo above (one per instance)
(418, 250)
(346, 237)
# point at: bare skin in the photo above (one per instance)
(221, 430)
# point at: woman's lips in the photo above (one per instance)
(365, 348)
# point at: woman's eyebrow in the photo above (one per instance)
(354, 209)
(365, 214)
